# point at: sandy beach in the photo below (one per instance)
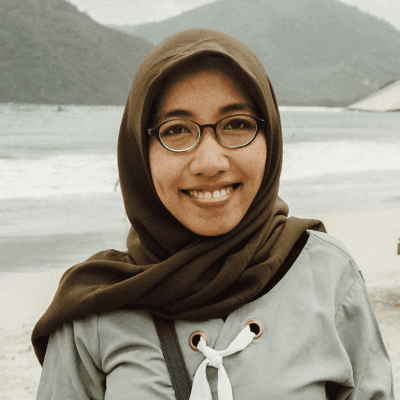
(370, 235)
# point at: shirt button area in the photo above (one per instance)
(256, 327)
(195, 338)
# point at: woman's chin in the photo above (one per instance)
(213, 228)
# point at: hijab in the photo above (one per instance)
(168, 269)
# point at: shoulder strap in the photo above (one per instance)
(173, 356)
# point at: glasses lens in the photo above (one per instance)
(237, 130)
(179, 134)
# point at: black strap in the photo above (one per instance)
(173, 356)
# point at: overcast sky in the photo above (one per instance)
(140, 11)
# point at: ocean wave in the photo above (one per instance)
(309, 159)
(311, 109)
(57, 175)
(49, 153)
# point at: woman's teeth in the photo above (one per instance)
(210, 195)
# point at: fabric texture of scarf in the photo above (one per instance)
(171, 271)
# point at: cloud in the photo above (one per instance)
(141, 11)
(137, 12)
(388, 10)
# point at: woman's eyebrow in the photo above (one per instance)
(172, 113)
(178, 113)
(236, 107)
(223, 110)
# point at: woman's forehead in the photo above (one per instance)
(208, 75)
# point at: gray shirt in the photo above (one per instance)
(320, 340)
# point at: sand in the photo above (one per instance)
(371, 236)
(373, 239)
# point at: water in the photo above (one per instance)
(58, 169)
(45, 152)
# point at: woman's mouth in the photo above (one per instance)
(212, 194)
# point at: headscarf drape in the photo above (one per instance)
(169, 270)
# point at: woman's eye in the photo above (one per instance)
(237, 124)
(176, 130)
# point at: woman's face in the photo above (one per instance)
(210, 187)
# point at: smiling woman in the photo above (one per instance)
(209, 187)
(274, 303)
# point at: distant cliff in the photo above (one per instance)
(316, 52)
(52, 53)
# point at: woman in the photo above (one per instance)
(199, 157)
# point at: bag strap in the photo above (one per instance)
(173, 356)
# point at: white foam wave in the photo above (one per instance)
(97, 173)
(311, 109)
(58, 175)
(317, 159)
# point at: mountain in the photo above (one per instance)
(52, 53)
(316, 52)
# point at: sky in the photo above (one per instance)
(134, 12)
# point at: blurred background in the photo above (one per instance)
(66, 68)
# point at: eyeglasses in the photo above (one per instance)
(179, 135)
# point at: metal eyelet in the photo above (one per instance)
(256, 327)
(195, 338)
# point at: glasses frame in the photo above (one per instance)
(155, 132)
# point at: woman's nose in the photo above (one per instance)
(209, 156)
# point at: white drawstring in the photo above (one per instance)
(201, 389)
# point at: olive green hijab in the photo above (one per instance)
(170, 270)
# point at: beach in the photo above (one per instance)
(59, 205)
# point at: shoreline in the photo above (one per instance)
(47, 252)
(372, 238)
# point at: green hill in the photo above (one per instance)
(52, 53)
(316, 52)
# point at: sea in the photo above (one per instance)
(59, 176)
